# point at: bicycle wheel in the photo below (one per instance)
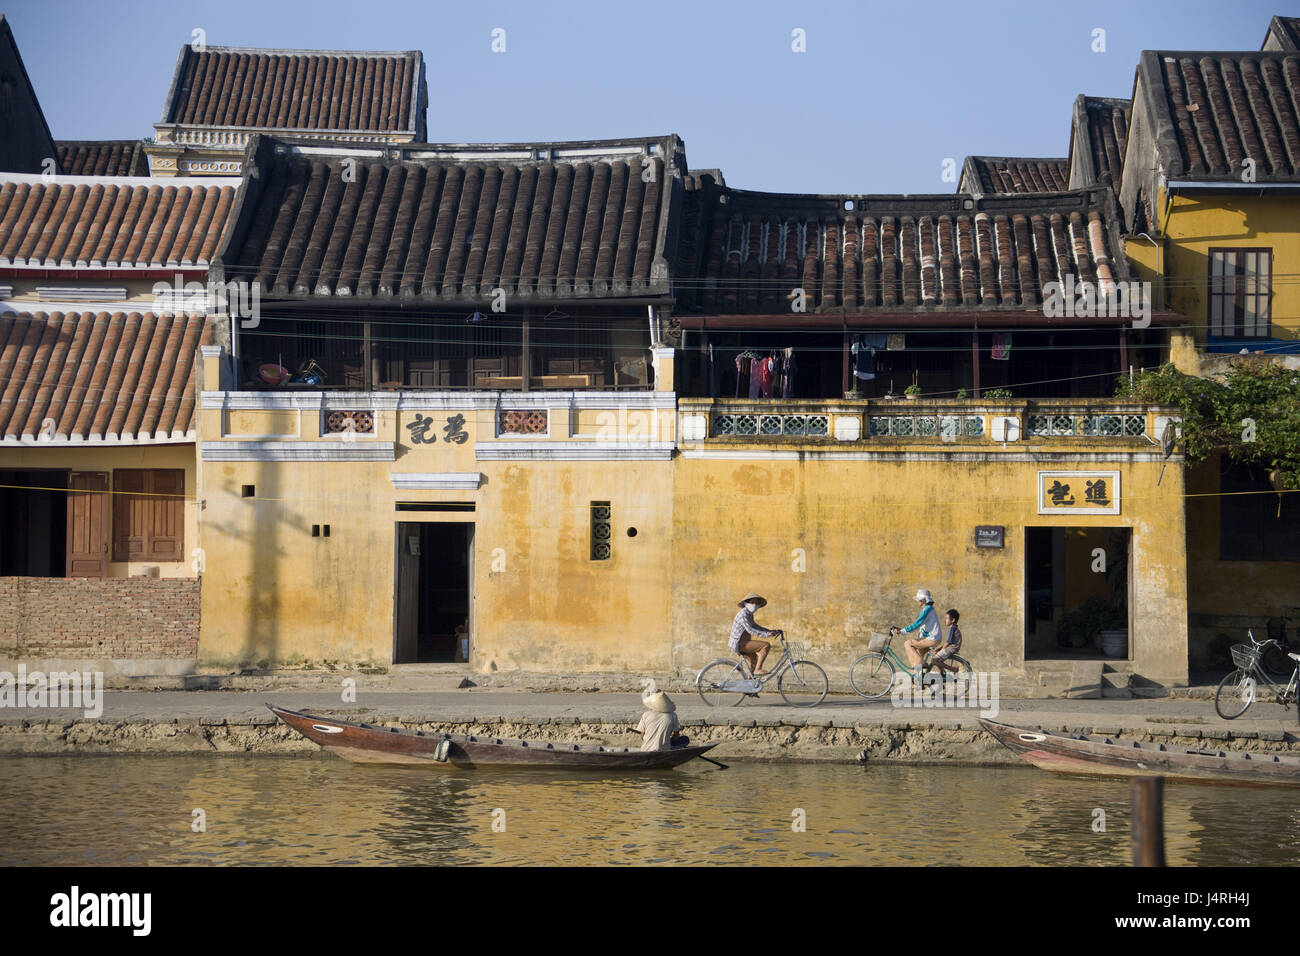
(803, 684)
(872, 676)
(962, 679)
(711, 679)
(1235, 693)
(1275, 664)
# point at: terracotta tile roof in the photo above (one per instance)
(1004, 174)
(87, 221)
(1283, 34)
(1212, 110)
(435, 229)
(298, 89)
(1100, 132)
(909, 254)
(102, 157)
(99, 376)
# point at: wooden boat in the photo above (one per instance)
(1093, 755)
(365, 743)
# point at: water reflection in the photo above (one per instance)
(138, 811)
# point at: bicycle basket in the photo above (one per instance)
(1245, 655)
(878, 641)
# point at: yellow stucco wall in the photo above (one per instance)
(872, 532)
(106, 458)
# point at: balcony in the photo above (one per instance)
(1068, 422)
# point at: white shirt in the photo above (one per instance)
(657, 728)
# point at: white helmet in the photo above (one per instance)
(923, 595)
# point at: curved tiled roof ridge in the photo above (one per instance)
(296, 89)
(1108, 120)
(99, 376)
(451, 230)
(104, 157)
(894, 253)
(100, 222)
(1224, 107)
(1015, 174)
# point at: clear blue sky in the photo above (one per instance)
(883, 93)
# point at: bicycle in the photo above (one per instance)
(1238, 690)
(725, 682)
(872, 675)
(1273, 660)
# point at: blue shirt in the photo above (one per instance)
(928, 622)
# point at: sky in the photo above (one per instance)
(880, 95)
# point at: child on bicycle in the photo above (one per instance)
(953, 643)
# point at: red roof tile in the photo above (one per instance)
(908, 254)
(298, 89)
(103, 157)
(79, 222)
(1100, 127)
(99, 376)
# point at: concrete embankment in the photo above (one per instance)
(811, 738)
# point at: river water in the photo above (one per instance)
(138, 810)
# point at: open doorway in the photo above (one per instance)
(1076, 592)
(432, 597)
(34, 523)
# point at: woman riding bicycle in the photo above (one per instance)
(928, 622)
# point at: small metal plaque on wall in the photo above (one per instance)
(988, 535)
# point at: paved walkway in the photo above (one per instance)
(490, 705)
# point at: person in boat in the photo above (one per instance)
(659, 724)
(742, 626)
(952, 644)
(927, 621)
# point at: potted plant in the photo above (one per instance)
(854, 394)
(998, 393)
(913, 392)
(962, 395)
(1080, 627)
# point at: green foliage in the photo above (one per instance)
(998, 393)
(1251, 413)
(912, 390)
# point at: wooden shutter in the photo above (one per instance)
(87, 555)
(129, 526)
(167, 516)
(148, 514)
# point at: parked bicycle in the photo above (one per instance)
(1275, 659)
(872, 674)
(725, 682)
(1241, 688)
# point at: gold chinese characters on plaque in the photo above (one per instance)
(1078, 492)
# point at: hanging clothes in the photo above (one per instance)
(755, 376)
(1001, 346)
(765, 376)
(864, 354)
(742, 369)
(788, 369)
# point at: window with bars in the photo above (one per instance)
(601, 537)
(1240, 292)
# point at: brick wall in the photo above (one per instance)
(118, 618)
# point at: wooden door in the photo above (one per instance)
(406, 597)
(88, 524)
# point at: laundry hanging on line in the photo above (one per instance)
(864, 348)
(1001, 350)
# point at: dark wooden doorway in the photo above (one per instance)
(432, 603)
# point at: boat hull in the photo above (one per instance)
(1102, 756)
(364, 743)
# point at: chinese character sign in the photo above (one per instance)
(423, 430)
(1078, 492)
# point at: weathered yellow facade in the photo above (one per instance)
(837, 532)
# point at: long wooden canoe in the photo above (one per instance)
(1094, 755)
(364, 743)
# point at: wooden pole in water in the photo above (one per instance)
(1148, 828)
